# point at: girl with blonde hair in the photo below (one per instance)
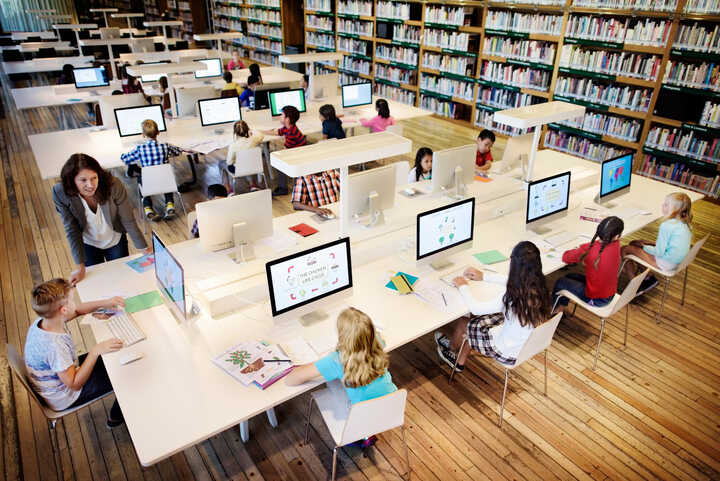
(243, 139)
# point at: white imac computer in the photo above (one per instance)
(170, 279)
(235, 221)
(323, 87)
(90, 77)
(444, 231)
(547, 200)
(214, 69)
(294, 97)
(516, 154)
(452, 170)
(219, 111)
(370, 193)
(615, 179)
(129, 119)
(154, 77)
(356, 95)
(305, 282)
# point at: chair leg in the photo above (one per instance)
(457, 358)
(662, 303)
(143, 219)
(682, 302)
(182, 204)
(245, 430)
(597, 349)
(545, 372)
(622, 266)
(627, 319)
(574, 309)
(407, 453)
(57, 459)
(334, 463)
(272, 417)
(307, 425)
(502, 404)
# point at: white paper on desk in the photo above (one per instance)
(299, 351)
(279, 241)
(432, 292)
(321, 342)
(206, 146)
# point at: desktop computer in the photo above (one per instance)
(452, 170)
(148, 78)
(90, 77)
(129, 119)
(444, 231)
(294, 97)
(170, 278)
(547, 200)
(219, 111)
(356, 95)
(516, 154)
(304, 282)
(236, 221)
(214, 69)
(615, 175)
(323, 87)
(370, 193)
(262, 92)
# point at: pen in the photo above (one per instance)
(443, 296)
(277, 360)
(488, 269)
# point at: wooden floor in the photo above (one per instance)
(651, 410)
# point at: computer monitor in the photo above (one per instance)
(370, 193)
(354, 95)
(214, 68)
(444, 231)
(452, 170)
(219, 111)
(170, 278)
(262, 95)
(236, 221)
(299, 282)
(516, 154)
(89, 77)
(129, 119)
(547, 200)
(323, 87)
(294, 97)
(615, 175)
(153, 77)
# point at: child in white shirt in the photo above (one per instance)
(242, 140)
(423, 166)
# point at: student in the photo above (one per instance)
(55, 373)
(672, 244)
(423, 166)
(359, 361)
(312, 192)
(242, 141)
(235, 63)
(484, 158)
(230, 85)
(152, 153)
(96, 213)
(165, 102)
(602, 265)
(293, 138)
(247, 97)
(331, 125)
(68, 75)
(255, 70)
(500, 326)
(131, 84)
(306, 87)
(214, 191)
(381, 121)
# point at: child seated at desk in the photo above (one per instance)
(68, 75)
(359, 361)
(242, 141)
(312, 192)
(214, 191)
(381, 121)
(331, 125)
(165, 93)
(423, 166)
(230, 85)
(247, 97)
(293, 138)
(484, 158)
(55, 373)
(152, 153)
(255, 70)
(235, 63)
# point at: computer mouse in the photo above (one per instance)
(409, 191)
(328, 216)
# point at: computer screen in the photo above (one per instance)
(294, 97)
(548, 196)
(308, 276)
(153, 77)
(90, 77)
(219, 111)
(356, 94)
(169, 274)
(616, 174)
(129, 120)
(444, 227)
(214, 68)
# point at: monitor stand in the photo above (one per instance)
(376, 216)
(459, 190)
(207, 82)
(244, 251)
(541, 230)
(313, 317)
(441, 264)
(219, 131)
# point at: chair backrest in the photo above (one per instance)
(229, 93)
(402, 169)
(17, 364)
(34, 39)
(158, 179)
(395, 129)
(692, 254)
(108, 104)
(46, 52)
(539, 340)
(375, 416)
(107, 33)
(630, 291)
(187, 98)
(144, 45)
(179, 45)
(191, 216)
(248, 162)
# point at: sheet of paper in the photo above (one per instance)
(142, 263)
(143, 301)
(321, 342)
(299, 351)
(439, 295)
(279, 241)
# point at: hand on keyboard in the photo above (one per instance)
(111, 345)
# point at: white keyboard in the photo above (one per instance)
(626, 212)
(123, 327)
(560, 238)
(449, 277)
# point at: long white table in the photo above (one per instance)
(26, 35)
(176, 376)
(59, 95)
(270, 75)
(38, 65)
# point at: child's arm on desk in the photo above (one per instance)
(302, 374)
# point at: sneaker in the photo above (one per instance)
(254, 187)
(649, 283)
(150, 214)
(113, 423)
(169, 210)
(442, 340)
(449, 357)
(368, 442)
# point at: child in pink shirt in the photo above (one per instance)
(381, 121)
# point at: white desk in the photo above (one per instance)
(167, 55)
(25, 35)
(270, 75)
(48, 95)
(164, 24)
(38, 65)
(104, 11)
(33, 47)
(128, 16)
(218, 37)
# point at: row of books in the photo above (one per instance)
(257, 14)
(261, 3)
(699, 76)
(446, 86)
(500, 98)
(680, 174)
(631, 98)
(317, 39)
(604, 124)
(646, 31)
(515, 75)
(406, 33)
(446, 39)
(345, 78)
(264, 29)
(703, 6)
(395, 93)
(485, 120)
(698, 37)
(353, 46)
(272, 46)
(264, 57)
(656, 5)
(637, 65)
(684, 143)
(355, 7)
(318, 5)
(395, 74)
(581, 146)
(446, 15)
(357, 27)
(448, 63)
(440, 107)
(524, 22)
(526, 50)
(710, 116)
(229, 24)
(356, 65)
(404, 55)
(547, 3)
(389, 9)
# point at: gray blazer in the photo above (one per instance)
(117, 210)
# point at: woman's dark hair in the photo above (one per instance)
(255, 70)
(526, 293)
(328, 112)
(606, 231)
(421, 153)
(72, 168)
(163, 82)
(67, 72)
(383, 108)
(228, 77)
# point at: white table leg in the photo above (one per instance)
(244, 431)
(272, 417)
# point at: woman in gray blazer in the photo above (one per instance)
(96, 213)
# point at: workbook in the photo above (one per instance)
(254, 362)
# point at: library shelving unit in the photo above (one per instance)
(192, 13)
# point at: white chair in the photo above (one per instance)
(539, 340)
(143, 45)
(402, 169)
(395, 129)
(607, 311)
(17, 364)
(349, 423)
(247, 162)
(187, 98)
(685, 264)
(158, 179)
(108, 104)
(191, 217)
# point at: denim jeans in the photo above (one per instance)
(94, 255)
(575, 283)
(97, 385)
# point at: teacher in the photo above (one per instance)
(96, 213)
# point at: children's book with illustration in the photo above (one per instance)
(254, 362)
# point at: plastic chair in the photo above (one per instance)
(191, 217)
(187, 98)
(46, 52)
(539, 340)
(685, 264)
(158, 179)
(349, 423)
(605, 312)
(108, 104)
(247, 162)
(402, 169)
(229, 93)
(17, 365)
(179, 45)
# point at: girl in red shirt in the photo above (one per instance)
(602, 265)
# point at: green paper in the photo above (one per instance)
(490, 257)
(143, 301)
